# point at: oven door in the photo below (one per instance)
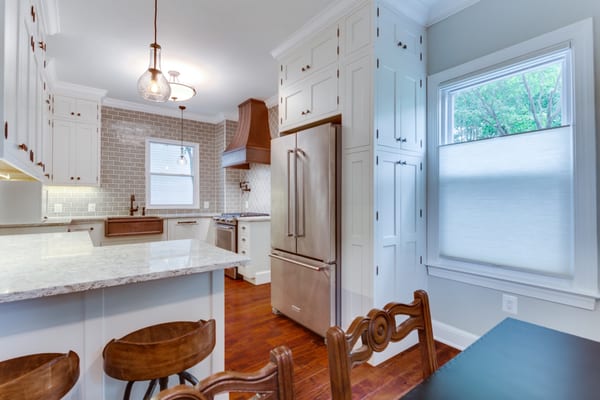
(226, 238)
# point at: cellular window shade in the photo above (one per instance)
(508, 201)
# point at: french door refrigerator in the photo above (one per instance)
(304, 226)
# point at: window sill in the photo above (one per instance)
(571, 297)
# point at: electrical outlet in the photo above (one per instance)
(206, 204)
(510, 304)
(58, 208)
(91, 207)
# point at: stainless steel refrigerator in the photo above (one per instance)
(305, 226)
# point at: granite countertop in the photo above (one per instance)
(48, 264)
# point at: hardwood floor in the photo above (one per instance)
(251, 330)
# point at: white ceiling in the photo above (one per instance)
(221, 47)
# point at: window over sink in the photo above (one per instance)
(171, 183)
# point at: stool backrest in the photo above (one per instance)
(47, 376)
(273, 381)
(375, 332)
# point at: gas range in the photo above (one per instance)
(231, 218)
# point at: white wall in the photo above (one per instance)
(488, 26)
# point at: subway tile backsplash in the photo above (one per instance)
(123, 168)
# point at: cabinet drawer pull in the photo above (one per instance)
(187, 222)
(243, 239)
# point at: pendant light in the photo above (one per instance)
(153, 85)
(182, 160)
(180, 91)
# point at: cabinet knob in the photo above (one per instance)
(401, 162)
(72, 178)
(79, 178)
(72, 113)
(42, 45)
(47, 176)
(243, 251)
(401, 140)
(243, 239)
(23, 147)
(402, 45)
(79, 114)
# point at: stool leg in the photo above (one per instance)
(127, 393)
(150, 389)
(163, 383)
(187, 376)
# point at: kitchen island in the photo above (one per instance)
(58, 292)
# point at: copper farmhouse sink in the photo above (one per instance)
(129, 226)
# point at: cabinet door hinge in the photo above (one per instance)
(378, 11)
(338, 50)
(281, 67)
(421, 56)
(376, 133)
(378, 63)
(421, 166)
(421, 143)
(281, 83)
(338, 31)
(5, 129)
(421, 39)
(338, 100)
(376, 215)
(421, 260)
(377, 31)
(420, 82)
(421, 213)
(376, 160)
(377, 270)
(338, 73)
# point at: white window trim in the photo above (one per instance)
(581, 290)
(196, 161)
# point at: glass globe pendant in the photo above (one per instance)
(153, 85)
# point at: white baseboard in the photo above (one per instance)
(260, 278)
(452, 336)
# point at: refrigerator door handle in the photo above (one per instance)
(314, 268)
(290, 233)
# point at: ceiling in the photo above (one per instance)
(222, 48)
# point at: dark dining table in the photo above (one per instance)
(518, 360)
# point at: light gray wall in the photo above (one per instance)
(488, 26)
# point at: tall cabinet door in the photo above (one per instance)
(316, 174)
(283, 188)
(400, 225)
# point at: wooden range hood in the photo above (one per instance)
(252, 140)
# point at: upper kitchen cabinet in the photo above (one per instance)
(25, 93)
(76, 136)
(309, 80)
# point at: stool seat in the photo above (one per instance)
(158, 351)
(46, 376)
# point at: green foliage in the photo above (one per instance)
(517, 103)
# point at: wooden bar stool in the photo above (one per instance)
(156, 352)
(47, 376)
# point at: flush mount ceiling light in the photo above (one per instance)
(153, 85)
(180, 91)
(182, 160)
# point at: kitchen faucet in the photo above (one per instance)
(131, 209)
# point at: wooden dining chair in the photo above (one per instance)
(375, 332)
(273, 381)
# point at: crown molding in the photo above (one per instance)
(444, 9)
(320, 21)
(71, 89)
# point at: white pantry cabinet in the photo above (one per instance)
(254, 241)
(76, 140)
(381, 89)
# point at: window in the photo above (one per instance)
(170, 183)
(512, 170)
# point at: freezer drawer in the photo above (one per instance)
(304, 291)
